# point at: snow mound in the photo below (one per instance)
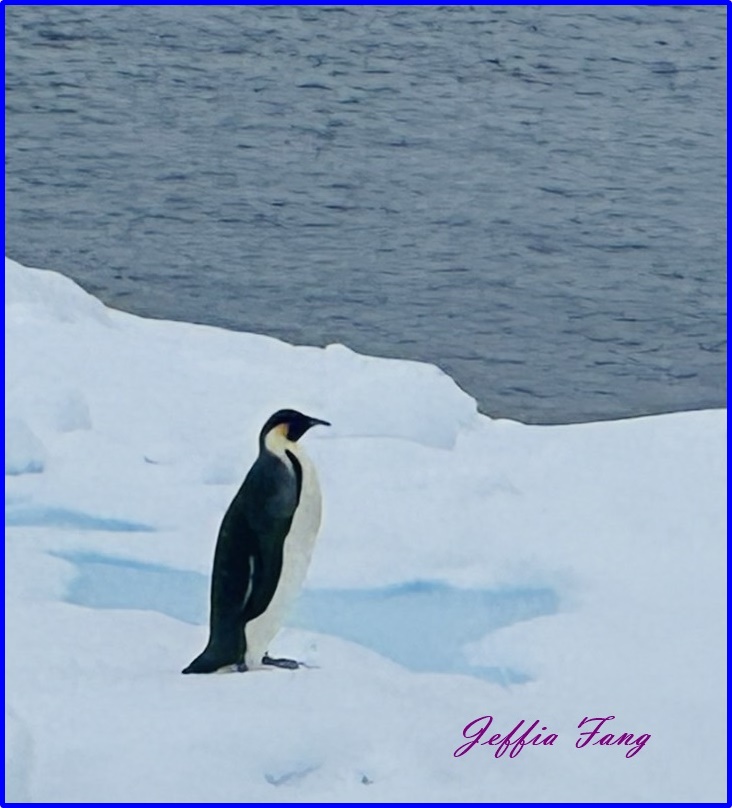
(230, 382)
(49, 404)
(395, 398)
(40, 295)
(24, 452)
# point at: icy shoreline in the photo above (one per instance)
(125, 439)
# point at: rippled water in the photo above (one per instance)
(531, 197)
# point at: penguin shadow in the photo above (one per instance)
(421, 625)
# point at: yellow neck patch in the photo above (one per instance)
(276, 439)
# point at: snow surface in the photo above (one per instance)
(466, 567)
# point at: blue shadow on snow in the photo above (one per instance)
(421, 625)
(43, 516)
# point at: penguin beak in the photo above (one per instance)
(316, 421)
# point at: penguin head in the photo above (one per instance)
(287, 425)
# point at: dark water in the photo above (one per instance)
(531, 197)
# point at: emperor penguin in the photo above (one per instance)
(263, 549)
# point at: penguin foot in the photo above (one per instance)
(242, 667)
(291, 664)
(205, 663)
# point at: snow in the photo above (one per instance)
(24, 452)
(466, 567)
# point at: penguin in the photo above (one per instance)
(263, 549)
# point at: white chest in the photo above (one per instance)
(300, 540)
